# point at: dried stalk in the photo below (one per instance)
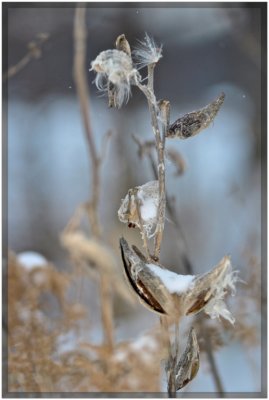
(189, 270)
(163, 110)
(160, 144)
(155, 110)
(81, 82)
(33, 53)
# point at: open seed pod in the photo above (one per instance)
(140, 206)
(166, 292)
(189, 363)
(149, 287)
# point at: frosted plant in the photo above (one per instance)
(177, 294)
(147, 52)
(160, 290)
(139, 208)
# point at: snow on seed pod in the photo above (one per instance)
(140, 207)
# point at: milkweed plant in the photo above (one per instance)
(171, 295)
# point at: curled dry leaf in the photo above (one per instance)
(166, 292)
(188, 365)
(194, 122)
(139, 208)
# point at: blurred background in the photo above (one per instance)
(206, 50)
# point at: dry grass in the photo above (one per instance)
(39, 315)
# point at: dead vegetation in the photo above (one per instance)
(40, 315)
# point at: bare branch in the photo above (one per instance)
(83, 95)
(34, 52)
(160, 144)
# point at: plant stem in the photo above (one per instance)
(160, 144)
(164, 110)
(81, 82)
(190, 270)
(83, 95)
(33, 54)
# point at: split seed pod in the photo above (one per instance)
(194, 122)
(139, 207)
(122, 45)
(189, 363)
(149, 288)
(166, 292)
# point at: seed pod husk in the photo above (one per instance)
(194, 122)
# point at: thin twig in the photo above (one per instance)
(163, 110)
(105, 142)
(81, 82)
(160, 144)
(33, 53)
(83, 94)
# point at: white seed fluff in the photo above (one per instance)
(115, 67)
(216, 307)
(147, 52)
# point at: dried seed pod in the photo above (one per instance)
(208, 291)
(149, 288)
(140, 206)
(188, 365)
(123, 44)
(166, 292)
(194, 122)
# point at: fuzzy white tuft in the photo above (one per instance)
(115, 67)
(147, 52)
(216, 307)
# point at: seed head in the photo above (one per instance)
(115, 67)
(147, 52)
